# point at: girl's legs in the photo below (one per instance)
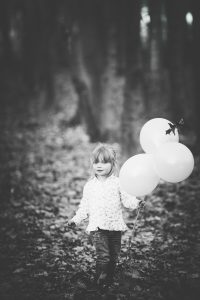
(114, 250)
(108, 245)
(101, 243)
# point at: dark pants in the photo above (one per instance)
(108, 245)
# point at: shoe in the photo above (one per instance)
(101, 273)
(111, 271)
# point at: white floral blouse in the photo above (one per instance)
(102, 202)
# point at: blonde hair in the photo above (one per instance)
(105, 153)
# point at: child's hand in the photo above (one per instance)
(71, 224)
(142, 203)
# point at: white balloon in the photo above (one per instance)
(137, 176)
(174, 162)
(153, 134)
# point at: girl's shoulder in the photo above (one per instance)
(114, 179)
(89, 182)
(116, 182)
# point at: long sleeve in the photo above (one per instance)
(82, 212)
(129, 201)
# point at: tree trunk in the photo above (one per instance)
(133, 106)
(176, 11)
(196, 64)
(112, 83)
(88, 63)
(156, 80)
(5, 18)
(38, 46)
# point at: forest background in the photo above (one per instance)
(73, 73)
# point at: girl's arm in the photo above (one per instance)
(82, 212)
(128, 201)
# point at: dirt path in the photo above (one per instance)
(44, 167)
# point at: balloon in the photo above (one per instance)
(137, 176)
(174, 162)
(153, 134)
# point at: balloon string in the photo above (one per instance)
(133, 231)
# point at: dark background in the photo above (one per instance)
(73, 73)
(128, 61)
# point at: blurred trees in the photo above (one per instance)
(129, 60)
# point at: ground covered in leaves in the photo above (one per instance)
(44, 165)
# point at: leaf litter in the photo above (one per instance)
(41, 258)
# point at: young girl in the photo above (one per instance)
(102, 201)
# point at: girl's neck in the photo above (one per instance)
(102, 178)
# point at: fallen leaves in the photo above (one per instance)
(47, 174)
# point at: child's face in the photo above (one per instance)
(102, 168)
